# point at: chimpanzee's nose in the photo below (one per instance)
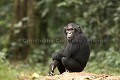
(69, 33)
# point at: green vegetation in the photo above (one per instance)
(6, 73)
(30, 34)
(109, 62)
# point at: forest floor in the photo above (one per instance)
(72, 76)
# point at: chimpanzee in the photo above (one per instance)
(74, 56)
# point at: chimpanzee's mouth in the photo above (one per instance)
(69, 38)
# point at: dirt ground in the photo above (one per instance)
(70, 76)
(81, 76)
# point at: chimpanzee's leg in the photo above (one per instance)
(72, 65)
(61, 67)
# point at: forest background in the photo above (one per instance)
(31, 30)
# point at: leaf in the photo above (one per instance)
(45, 12)
(18, 25)
(61, 4)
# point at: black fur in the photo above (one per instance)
(74, 56)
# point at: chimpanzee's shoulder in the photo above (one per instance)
(80, 38)
(81, 35)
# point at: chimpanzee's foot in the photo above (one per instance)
(67, 70)
(51, 73)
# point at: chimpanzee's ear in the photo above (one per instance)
(64, 27)
(79, 29)
(65, 30)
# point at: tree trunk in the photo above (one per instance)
(26, 29)
(17, 49)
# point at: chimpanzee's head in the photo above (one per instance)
(71, 30)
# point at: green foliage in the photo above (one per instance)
(106, 62)
(99, 19)
(40, 56)
(6, 73)
(5, 21)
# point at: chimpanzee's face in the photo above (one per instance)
(69, 32)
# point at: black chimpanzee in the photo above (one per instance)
(74, 56)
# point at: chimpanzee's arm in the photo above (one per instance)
(56, 57)
(53, 65)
